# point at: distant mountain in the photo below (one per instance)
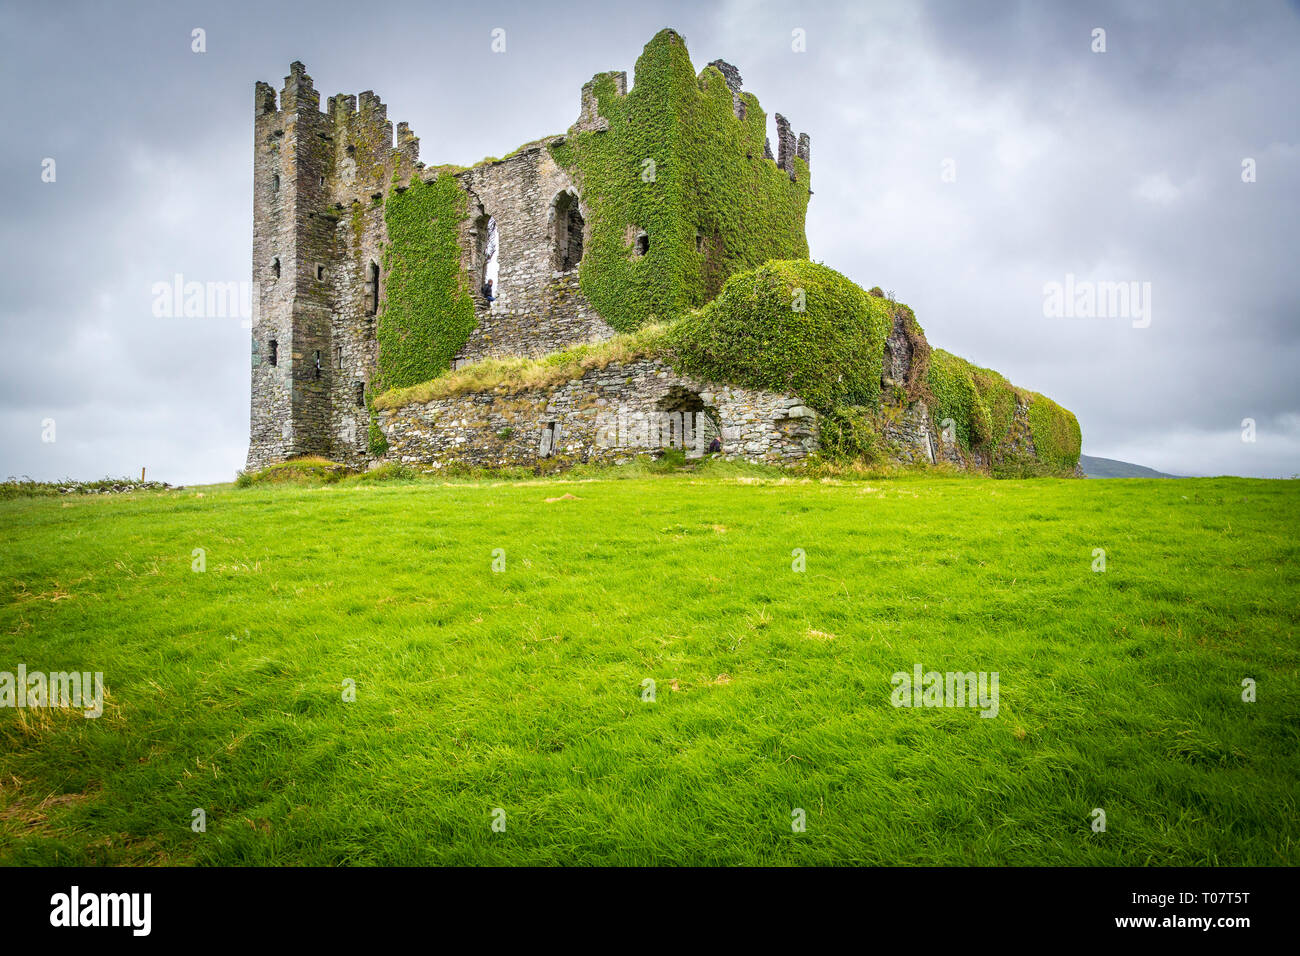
(1110, 468)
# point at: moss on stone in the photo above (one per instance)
(982, 406)
(1057, 437)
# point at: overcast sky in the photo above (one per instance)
(1123, 165)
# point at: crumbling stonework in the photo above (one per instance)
(909, 436)
(539, 307)
(608, 415)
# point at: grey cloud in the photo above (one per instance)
(1115, 166)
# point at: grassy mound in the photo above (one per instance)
(790, 325)
(306, 470)
(519, 374)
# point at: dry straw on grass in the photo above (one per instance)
(521, 374)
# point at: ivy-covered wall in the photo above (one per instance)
(678, 164)
(428, 309)
(992, 417)
(798, 326)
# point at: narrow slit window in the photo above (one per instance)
(318, 363)
(320, 273)
(361, 394)
(372, 289)
(274, 348)
(340, 352)
(275, 267)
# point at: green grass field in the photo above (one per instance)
(521, 689)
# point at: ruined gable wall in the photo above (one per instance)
(538, 308)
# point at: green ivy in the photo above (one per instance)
(982, 405)
(710, 180)
(428, 312)
(849, 432)
(956, 398)
(1057, 437)
(376, 440)
(794, 326)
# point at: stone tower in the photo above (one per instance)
(317, 237)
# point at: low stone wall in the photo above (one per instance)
(607, 415)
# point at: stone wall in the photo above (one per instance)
(607, 415)
(908, 434)
(538, 307)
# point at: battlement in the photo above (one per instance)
(789, 147)
(298, 93)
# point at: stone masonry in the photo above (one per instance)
(609, 415)
(538, 307)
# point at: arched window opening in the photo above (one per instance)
(567, 226)
(642, 244)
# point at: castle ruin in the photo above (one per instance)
(369, 266)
